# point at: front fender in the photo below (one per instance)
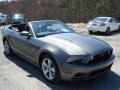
(58, 54)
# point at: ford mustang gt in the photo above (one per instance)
(60, 52)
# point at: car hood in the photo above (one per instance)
(74, 43)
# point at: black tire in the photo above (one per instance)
(7, 48)
(57, 76)
(119, 29)
(90, 32)
(108, 31)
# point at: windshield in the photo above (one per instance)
(44, 28)
(100, 20)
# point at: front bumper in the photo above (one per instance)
(83, 72)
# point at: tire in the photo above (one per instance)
(90, 32)
(50, 69)
(107, 31)
(7, 48)
(119, 29)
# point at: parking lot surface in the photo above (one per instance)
(17, 74)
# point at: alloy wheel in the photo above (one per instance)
(48, 68)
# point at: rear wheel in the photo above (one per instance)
(50, 69)
(108, 31)
(7, 48)
(90, 32)
(119, 29)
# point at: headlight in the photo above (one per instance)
(73, 58)
(83, 59)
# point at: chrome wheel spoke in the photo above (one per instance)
(48, 69)
(45, 64)
(50, 75)
(53, 70)
(49, 63)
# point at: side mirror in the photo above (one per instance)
(25, 33)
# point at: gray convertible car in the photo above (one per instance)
(58, 51)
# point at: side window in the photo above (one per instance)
(110, 21)
(114, 20)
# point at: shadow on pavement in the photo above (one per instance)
(108, 82)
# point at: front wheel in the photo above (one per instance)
(7, 48)
(50, 69)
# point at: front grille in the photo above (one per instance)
(101, 57)
(91, 74)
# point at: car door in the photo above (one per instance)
(10, 36)
(25, 46)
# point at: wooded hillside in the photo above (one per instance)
(66, 10)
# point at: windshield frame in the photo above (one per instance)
(37, 36)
